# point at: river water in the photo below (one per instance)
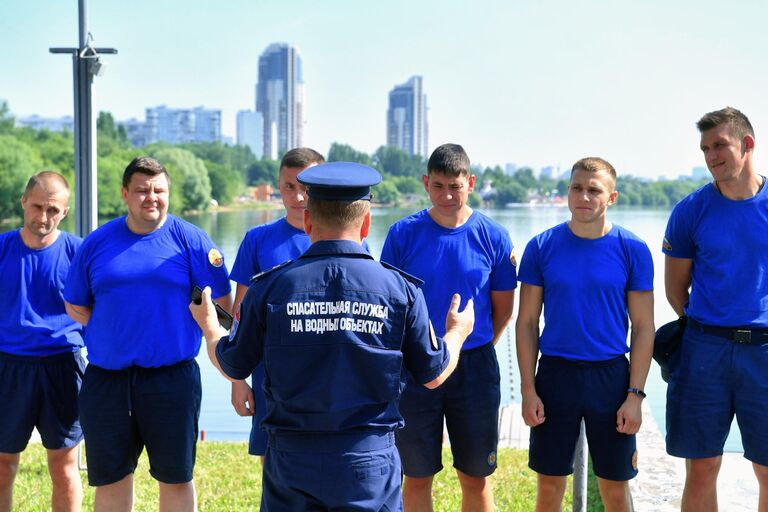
(219, 420)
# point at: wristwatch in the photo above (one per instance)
(639, 392)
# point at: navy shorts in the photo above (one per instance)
(469, 401)
(713, 379)
(257, 444)
(125, 410)
(332, 472)
(570, 391)
(40, 392)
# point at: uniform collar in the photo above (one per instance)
(335, 248)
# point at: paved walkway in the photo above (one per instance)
(659, 484)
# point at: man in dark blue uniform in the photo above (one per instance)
(336, 331)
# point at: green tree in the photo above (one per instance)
(225, 182)
(510, 192)
(396, 162)
(190, 184)
(386, 192)
(525, 178)
(18, 161)
(6, 119)
(263, 171)
(345, 153)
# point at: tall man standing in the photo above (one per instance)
(336, 331)
(40, 364)
(454, 249)
(716, 245)
(262, 248)
(587, 275)
(131, 282)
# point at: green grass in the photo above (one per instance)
(228, 479)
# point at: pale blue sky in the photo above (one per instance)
(531, 82)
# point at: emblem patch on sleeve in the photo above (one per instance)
(666, 245)
(215, 258)
(233, 330)
(513, 258)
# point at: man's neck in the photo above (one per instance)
(452, 221)
(590, 230)
(745, 185)
(36, 242)
(143, 228)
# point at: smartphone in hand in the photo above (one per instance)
(225, 319)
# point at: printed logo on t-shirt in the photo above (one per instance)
(634, 460)
(666, 245)
(513, 258)
(215, 258)
(492, 458)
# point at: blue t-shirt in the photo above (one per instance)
(140, 288)
(268, 245)
(335, 330)
(585, 285)
(728, 243)
(33, 320)
(265, 246)
(471, 260)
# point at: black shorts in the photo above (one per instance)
(469, 402)
(40, 392)
(570, 391)
(123, 411)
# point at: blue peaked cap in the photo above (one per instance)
(339, 181)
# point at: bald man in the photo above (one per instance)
(40, 364)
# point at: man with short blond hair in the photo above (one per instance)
(590, 278)
(40, 364)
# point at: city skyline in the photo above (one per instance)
(511, 82)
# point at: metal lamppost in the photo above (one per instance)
(87, 63)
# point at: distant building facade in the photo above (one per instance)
(177, 126)
(250, 131)
(700, 173)
(52, 124)
(280, 99)
(407, 127)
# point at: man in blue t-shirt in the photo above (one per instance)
(587, 274)
(262, 248)
(131, 282)
(716, 245)
(40, 364)
(336, 332)
(454, 249)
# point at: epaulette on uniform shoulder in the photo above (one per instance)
(408, 277)
(262, 275)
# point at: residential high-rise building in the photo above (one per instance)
(177, 126)
(407, 117)
(280, 98)
(250, 131)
